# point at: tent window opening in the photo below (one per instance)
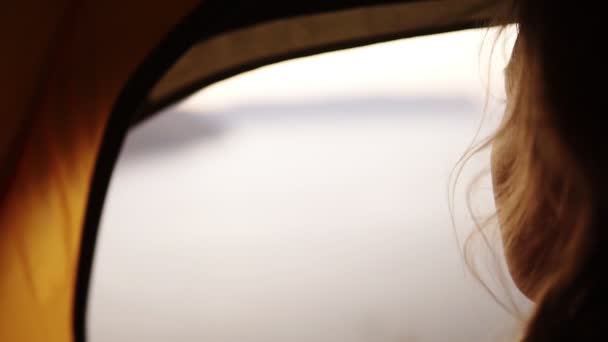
(304, 201)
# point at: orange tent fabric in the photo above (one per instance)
(63, 66)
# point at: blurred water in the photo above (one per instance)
(326, 222)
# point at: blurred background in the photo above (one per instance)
(308, 201)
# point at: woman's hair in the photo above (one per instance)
(549, 167)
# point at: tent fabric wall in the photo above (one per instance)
(63, 67)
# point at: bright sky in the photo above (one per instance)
(287, 231)
(446, 64)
